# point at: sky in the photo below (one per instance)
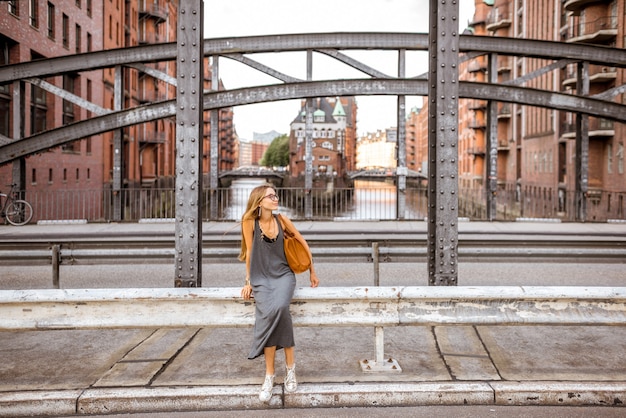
(269, 17)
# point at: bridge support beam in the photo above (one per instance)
(215, 143)
(582, 145)
(189, 136)
(308, 145)
(443, 93)
(401, 170)
(118, 146)
(492, 143)
(19, 106)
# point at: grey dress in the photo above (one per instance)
(273, 284)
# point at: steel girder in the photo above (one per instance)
(325, 41)
(443, 138)
(189, 139)
(215, 100)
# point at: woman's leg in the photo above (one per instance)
(268, 384)
(290, 355)
(270, 354)
(291, 383)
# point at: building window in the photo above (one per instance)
(69, 83)
(38, 109)
(77, 174)
(33, 13)
(33, 176)
(78, 36)
(78, 3)
(89, 42)
(66, 31)
(50, 20)
(620, 158)
(88, 173)
(88, 8)
(89, 95)
(4, 115)
(65, 175)
(5, 98)
(14, 7)
(50, 175)
(609, 159)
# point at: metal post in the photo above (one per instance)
(19, 106)
(189, 134)
(376, 261)
(492, 143)
(118, 146)
(582, 145)
(442, 142)
(379, 337)
(380, 364)
(401, 169)
(56, 261)
(308, 144)
(215, 143)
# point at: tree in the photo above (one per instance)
(277, 154)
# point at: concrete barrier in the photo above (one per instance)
(327, 306)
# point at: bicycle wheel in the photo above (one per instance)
(19, 212)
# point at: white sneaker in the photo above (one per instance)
(291, 384)
(266, 389)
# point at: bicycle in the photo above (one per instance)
(16, 211)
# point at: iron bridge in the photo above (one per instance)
(446, 49)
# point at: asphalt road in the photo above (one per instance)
(462, 411)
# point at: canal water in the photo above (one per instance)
(368, 200)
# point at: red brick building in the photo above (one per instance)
(334, 137)
(43, 29)
(536, 146)
(39, 29)
(417, 138)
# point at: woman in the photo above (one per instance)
(272, 282)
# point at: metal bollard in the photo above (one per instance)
(56, 261)
(380, 364)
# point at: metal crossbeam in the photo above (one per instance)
(215, 100)
(479, 45)
(332, 306)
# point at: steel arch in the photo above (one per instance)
(215, 100)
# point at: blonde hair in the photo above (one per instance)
(252, 212)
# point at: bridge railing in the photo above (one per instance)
(373, 202)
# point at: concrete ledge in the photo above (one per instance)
(389, 394)
(560, 393)
(310, 395)
(165, 399)
(38, 403)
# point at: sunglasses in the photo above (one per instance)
(272, 197)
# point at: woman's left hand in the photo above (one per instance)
(314, 280)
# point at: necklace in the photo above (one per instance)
(270, 235)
